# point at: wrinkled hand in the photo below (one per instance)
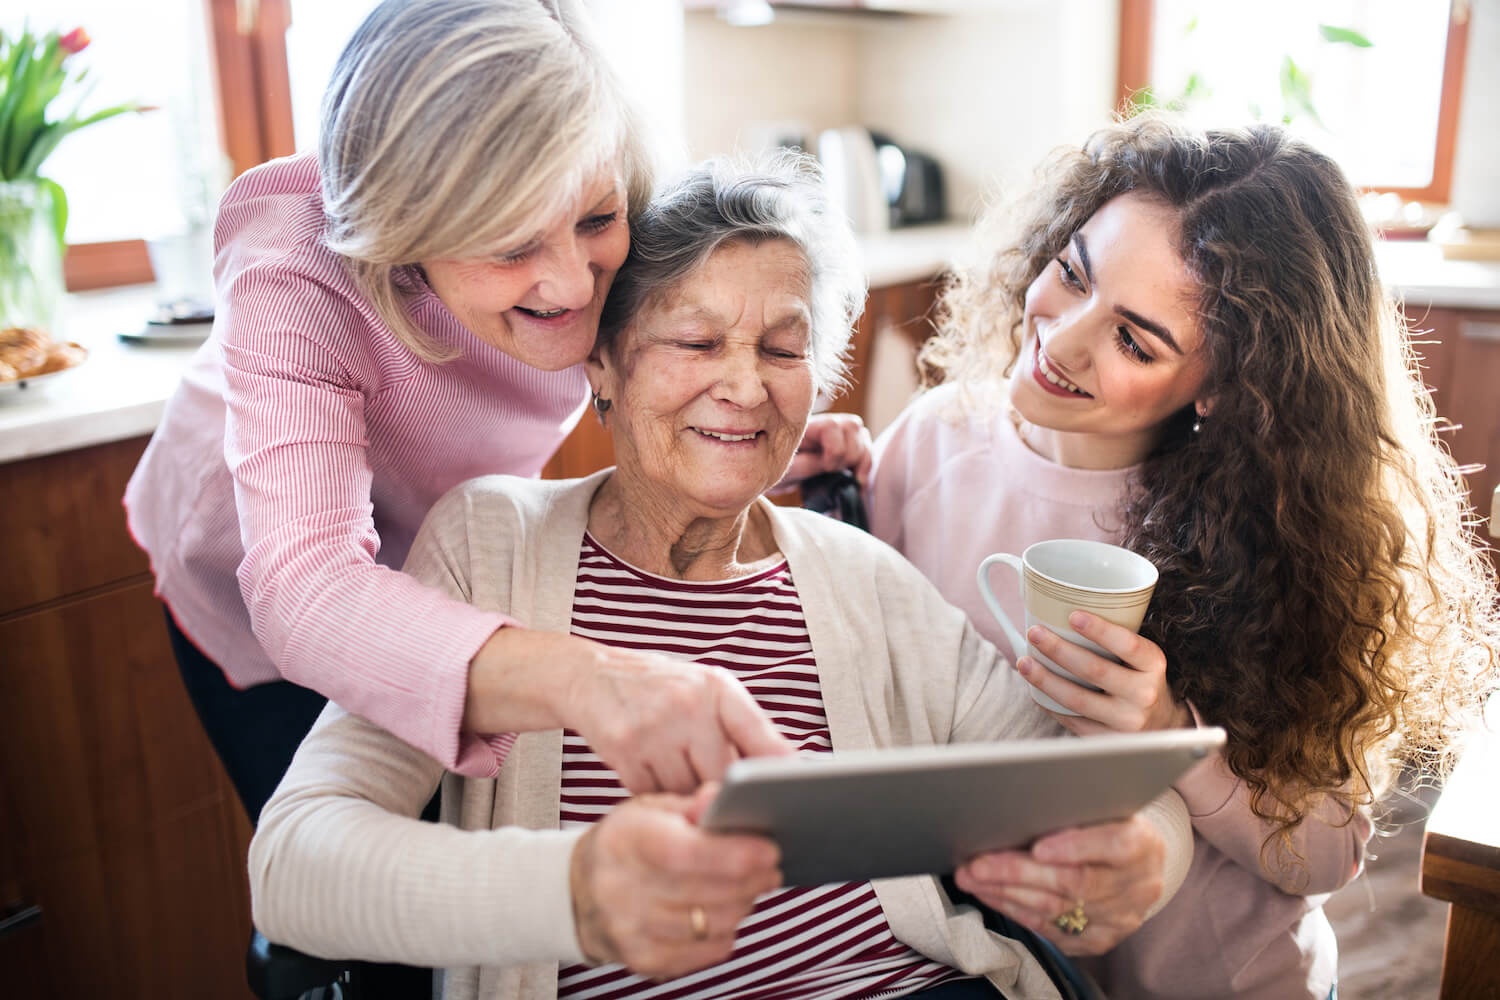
(663, 724)
(1115, 869)
(1133, 695)
(638, 873)
(831, 442)
(669, 725)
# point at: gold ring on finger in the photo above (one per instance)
(1073, 922)
(698, 921)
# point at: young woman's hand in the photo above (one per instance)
(663, 724)
(1109, 875)
(1133, 695)
(832, 441)
(657, 894)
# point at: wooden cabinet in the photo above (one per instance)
(1460, 351)
(116, 820)
(904, 307)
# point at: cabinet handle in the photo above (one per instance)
(21, 916)
(1479, 329)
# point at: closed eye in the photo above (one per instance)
(519, 256)
(598, 223)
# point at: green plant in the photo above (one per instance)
(37, 77)
(1296, 82)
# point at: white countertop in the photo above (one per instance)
(119, 392)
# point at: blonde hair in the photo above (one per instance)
(451, 127)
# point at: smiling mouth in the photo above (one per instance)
(541, 313)
(1045, 370)
(727, 436)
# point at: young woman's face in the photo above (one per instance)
(1112, 347)
(712, 385)
(539, 301)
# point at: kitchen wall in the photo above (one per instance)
(987, 91)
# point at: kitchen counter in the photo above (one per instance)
(120, 391)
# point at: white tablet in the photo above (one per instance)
(866, 814)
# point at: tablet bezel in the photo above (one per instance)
(863, 814)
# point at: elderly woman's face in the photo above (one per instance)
(539, 301)
(712, 385)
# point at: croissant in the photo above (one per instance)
(27, 353)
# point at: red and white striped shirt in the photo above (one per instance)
(824, 941)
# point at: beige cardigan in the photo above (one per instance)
(340, 867)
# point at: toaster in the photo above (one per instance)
(912, 182)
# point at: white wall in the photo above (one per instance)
(740, 83)
(988, 91)
(991, 93)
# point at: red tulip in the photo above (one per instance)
(74, 41)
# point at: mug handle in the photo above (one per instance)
(1017, 640)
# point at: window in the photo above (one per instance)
(234, 83)
(1375, 83)
(203, 66)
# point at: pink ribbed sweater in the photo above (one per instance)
(951, 487)
(292, 467)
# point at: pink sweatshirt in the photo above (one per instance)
(951, 487)
(283, 488)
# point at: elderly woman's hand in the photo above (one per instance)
(1099, 880)
(663, 724)
(660, 896)
(832, 441)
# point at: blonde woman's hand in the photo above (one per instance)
(1112, 873)
(663, 724)
(657, 894)
(1133, 696)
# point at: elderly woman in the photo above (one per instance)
(727, 319)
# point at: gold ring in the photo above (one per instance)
(1074, 921)
(698, 920)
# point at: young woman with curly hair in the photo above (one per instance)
(1182, 345)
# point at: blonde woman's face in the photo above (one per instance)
(539, 301)
(1112, 346)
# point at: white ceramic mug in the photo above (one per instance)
(1060, 575)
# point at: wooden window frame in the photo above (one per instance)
(254, 101)
(1134, 73)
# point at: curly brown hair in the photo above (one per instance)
(1323, 596)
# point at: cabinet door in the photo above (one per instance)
(121, 825)
(64, 523)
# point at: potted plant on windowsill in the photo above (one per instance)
(41, 93)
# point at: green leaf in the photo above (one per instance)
(1296, 92)
(59, 202)
(1344, 36)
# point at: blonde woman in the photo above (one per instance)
(407, 310)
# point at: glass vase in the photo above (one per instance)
(31, 258)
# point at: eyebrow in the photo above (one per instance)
(1149, 325)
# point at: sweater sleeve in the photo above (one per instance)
(1327, 848)
(341, 867)
(381, 644)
